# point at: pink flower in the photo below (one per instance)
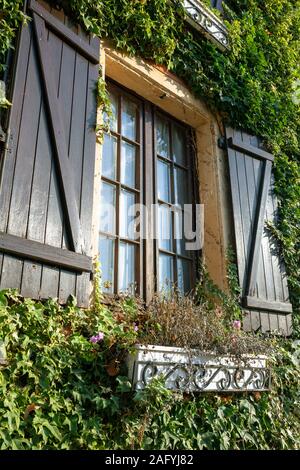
(237, 324)
(96, 338)
(136, 328)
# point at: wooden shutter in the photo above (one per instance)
(262, 274)
(46, 188)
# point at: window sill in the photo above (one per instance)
(196, 371)
(206, 22)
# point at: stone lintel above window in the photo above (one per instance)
(201, 18)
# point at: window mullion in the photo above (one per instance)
(139, 272)
(174, 247)
(148, 172)
(195, 198)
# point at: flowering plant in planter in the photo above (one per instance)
(197, 347)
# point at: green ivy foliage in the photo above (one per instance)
(11, 15)
(61, 391)
(55, 391)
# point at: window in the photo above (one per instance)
(124, 184)
(119, 243)
(173, 192)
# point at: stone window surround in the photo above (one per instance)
(157, 85)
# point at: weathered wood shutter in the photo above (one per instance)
(46, 186)
(262, 274)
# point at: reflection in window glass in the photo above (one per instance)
(163, 181)
(128, 164)
(165, 275)
(183, 276)
(126, 278)
(109, 157)
(178, 140)
(165, 232)
(180, 187)
(106, 251)
(179, 233)
(129, 119)
(127, 214)
(113, 119)
(162, 138)
(108, 204)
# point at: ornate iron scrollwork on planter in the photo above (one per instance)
(201, 18)
(193, 378)
(197, 372)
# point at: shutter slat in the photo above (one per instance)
(24, 248)
(267, 305)
(237, 213)
(249, 149)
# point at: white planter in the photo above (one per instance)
(194, 371)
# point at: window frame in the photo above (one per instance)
(190, 168)
(120, 92)
(146, 266)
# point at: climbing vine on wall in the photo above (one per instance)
(255, 85)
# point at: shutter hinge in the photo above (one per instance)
(222, 142)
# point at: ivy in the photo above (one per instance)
(60, 390)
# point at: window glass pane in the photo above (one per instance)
(163, 181)
(165, 275)
(183, 275)
(181, 187)
(127, 214)
(162, 137)
(128, 156)
(179, 233)
(113, 119)
(126, 278)
(109, 156)
(106, 257)
(129, 119)
(165, 232)
(108, 204)
(179, 141)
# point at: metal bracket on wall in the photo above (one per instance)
(222, 142)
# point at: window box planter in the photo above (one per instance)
(196, 371)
